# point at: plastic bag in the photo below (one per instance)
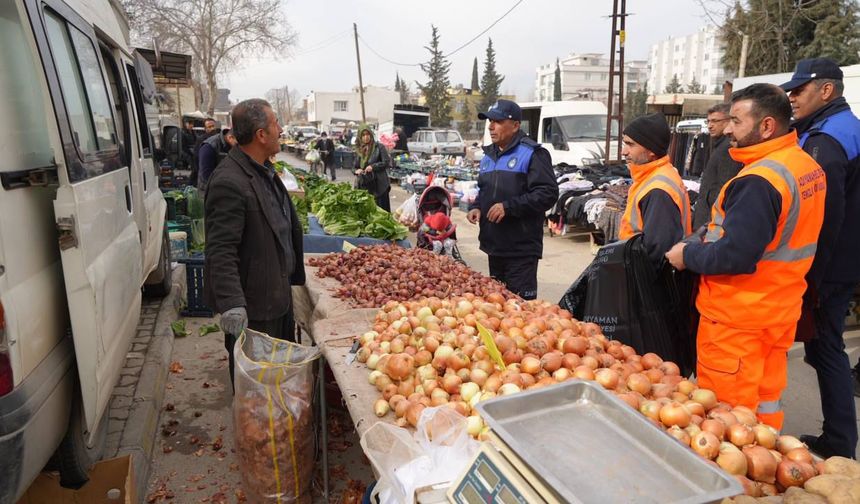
(407, 212)
(313, 156)
(273, 417)
(438, 452)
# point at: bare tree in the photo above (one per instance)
(217, 33)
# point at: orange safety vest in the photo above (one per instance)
(771, 296)
(658, 174)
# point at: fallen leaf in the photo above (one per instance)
(234, 466)
(179, 329)
(206, 385)
(196, 477)
(198, 414)
(201, 486)
(169, 407)
(194, 440)
(218, 443)
(240, 495)
(219, 498)
(199, 453)
(209, 328)
(168, 432)
(167, 448)
(176, 367)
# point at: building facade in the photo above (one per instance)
(586, 77)
(329, 108)
(697, 56)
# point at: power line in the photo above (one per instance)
(494, 23)
(324, 43)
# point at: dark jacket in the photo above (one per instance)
(836, 258)
(253, 241)
(375, 182)
(720, 169)
(212, 151)
(326, 148)
(661, 224)
(526, 196)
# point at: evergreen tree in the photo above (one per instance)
(674, 86)
(491, 81)
(695, 87)
(556, 83)
(467, 123)
(783, 31)
(404, 91)
(397, 85)
(476, 85)
(436, 89)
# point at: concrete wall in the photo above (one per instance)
(379, 106)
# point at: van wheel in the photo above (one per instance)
(74, 455)
(160, 280)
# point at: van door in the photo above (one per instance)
(99, 243)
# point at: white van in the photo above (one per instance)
(574, 132)
(81, 228)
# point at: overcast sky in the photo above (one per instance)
(533, 34)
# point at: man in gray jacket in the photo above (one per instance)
(254, 248)
(720, 167)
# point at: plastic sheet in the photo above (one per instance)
(273, 418)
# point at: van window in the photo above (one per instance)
(140, 110)
(25, 143)
(448, 136)
(87, 105)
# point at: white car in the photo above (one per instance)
(429, 142)
(81, 229)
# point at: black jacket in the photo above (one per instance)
(375, 182)
(253, 240)
(837, 258)
(526, 198)
(720, 169)
(326, 148)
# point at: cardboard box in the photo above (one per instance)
(111, 482)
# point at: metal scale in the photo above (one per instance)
(498, 475)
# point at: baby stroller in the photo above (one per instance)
(437, 232)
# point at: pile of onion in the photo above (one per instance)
(371, 276)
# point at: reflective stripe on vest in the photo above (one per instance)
(636, 214)
(769, 407)
(782, 253)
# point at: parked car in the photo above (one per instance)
(82, 229)
(427, 142)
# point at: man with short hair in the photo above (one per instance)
(189, 140)
(516, 188)
(657, 203)
(757, 250)
(254, 248)
(830, 133)
(720, 167)
(326, 149)
(212, 151)
(210, 128)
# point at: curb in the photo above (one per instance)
(139, 436)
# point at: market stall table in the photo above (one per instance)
(317, 241)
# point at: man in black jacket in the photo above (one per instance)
(326, 148)
(830, 133)
(253, 237)
(720, 167)
(516, 188)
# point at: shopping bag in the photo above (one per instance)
(273, 417)
(313, 156)
(407, 212)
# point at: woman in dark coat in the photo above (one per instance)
(371, 167)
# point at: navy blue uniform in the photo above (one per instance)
(832, 137)
(522, 179)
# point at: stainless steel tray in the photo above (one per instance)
(590, 447)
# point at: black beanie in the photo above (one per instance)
(650, 131)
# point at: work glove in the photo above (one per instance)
(234, 321)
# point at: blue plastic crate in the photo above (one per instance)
(194, 281)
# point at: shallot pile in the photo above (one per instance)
(429, 353)
(371, 276)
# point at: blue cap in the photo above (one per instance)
(813, 68)
(501, 110)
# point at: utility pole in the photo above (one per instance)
(360, 82)
(289, 105)
(619, 33)
(745, 43)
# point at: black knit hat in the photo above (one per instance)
(650, 131)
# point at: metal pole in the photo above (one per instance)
(609, 100)
(289, 105)
(360, 82)
(742, 67)
(621, 36)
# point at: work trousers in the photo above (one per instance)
(747, 367)
(826, 353)
(328, 165)
(519, 274)
(283, 328)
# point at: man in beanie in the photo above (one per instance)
(517, 186)
(830, 133)
(753, 259)
(657, 202)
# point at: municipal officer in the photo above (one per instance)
(758, 248)
(830, 133)
(517, 186)
(657, 203)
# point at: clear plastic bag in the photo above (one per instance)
(437, 452)
(273, 417)
(313, 156)
(407, 212)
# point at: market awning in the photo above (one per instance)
(173, 66)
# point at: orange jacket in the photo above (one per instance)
(771, 296)
(658, 174)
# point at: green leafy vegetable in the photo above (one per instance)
(209, 328)
(178, 328)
